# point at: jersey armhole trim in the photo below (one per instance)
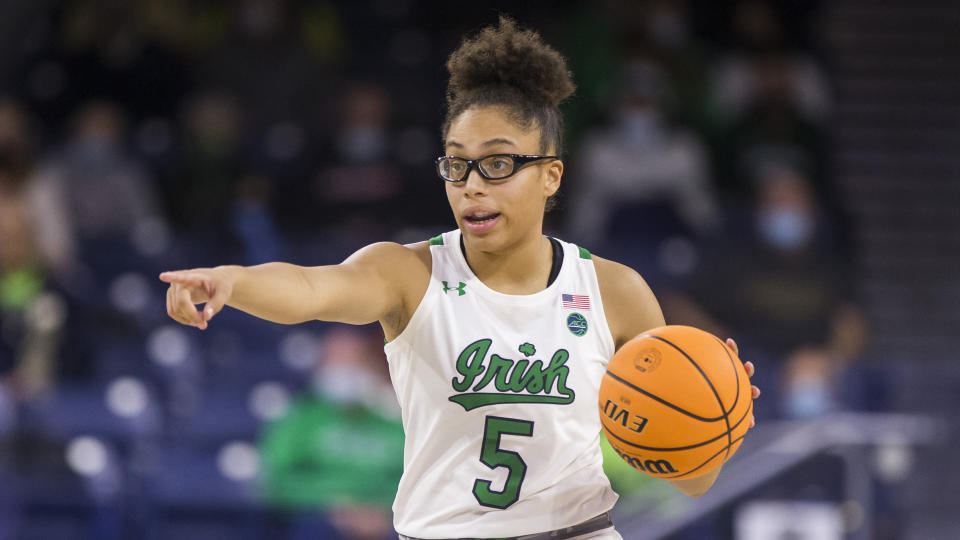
(437, 240)
(607, 334)
(584, 254)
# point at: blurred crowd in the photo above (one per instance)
(142, 136)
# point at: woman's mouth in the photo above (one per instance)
(481, 221)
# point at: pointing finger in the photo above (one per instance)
(184, 277)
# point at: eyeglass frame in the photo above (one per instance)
(519, 161)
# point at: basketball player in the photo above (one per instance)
(497, 336)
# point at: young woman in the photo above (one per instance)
(497, 336)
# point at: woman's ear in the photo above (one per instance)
(554, 173)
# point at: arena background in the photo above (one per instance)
(784, 172)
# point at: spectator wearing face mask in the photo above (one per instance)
(668, 29)
(640, 161)
(336, 458)
(358, 188)
(809, 384)
(107, 190)
(208, 163)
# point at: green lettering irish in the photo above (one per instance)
(498, 368)
(511, 381)
(470, 363)
(515, 381)
(533, 378)
(557, 371)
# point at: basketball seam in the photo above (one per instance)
(668, 449)
(678, 476)
(661, 400)
(736, 375)
(713, 389)
(726, 448)
(736, 399)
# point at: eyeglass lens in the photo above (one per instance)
(493, 167)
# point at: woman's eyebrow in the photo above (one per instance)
(498, 140)
(491, 142)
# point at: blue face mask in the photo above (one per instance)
(363, 144)
(807, 400)
(93, 152)
(785, 229)
(640, 127)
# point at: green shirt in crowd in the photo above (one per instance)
(323, 454)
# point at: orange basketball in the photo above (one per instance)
(675, 402)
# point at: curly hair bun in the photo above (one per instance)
(505, 55)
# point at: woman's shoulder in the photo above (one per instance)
(392, 255)
(619, 281)
(421, 252)
(403, 268)
(630, 306)
(616, 275)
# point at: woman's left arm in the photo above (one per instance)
(631, 309)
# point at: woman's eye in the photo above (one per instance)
(500, 164)
(456, 167)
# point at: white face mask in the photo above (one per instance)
(640, 127)
(345, 385)
(362, 144)
(785, 229)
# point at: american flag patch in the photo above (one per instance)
(575, 301)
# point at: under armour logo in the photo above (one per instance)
(458, 288)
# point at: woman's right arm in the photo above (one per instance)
(373, 283)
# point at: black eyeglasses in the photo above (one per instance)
(492, 167)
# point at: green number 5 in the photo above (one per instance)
(492, 456)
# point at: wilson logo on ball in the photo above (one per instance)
(652, 466)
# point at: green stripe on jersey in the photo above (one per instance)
(584, 254)
(437, 240)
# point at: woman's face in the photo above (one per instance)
(494, 214)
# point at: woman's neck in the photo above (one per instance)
(521, 268)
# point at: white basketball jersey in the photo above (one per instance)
(499, 401)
